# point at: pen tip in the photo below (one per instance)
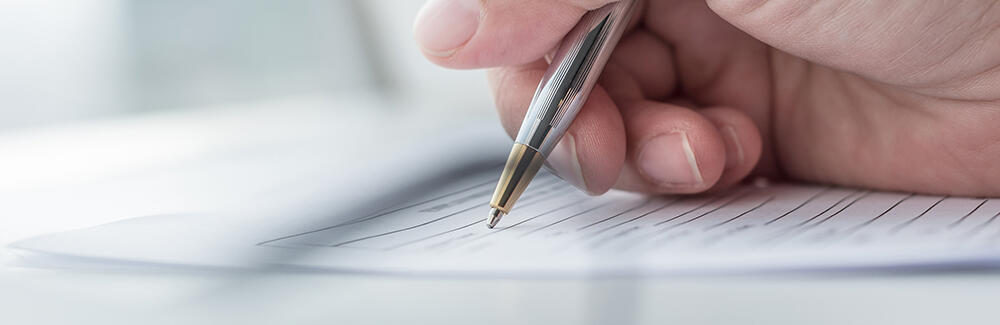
(494, 218)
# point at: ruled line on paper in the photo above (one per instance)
(723, 205)
(481, 221)
(564, 218)
(707, 203)
(852, 230)
(908, 222)
(367, 218)
(814, 225)
(780, 234)
(475, 238)
(799, 206)
(979, 228)
(390, 232)
(644, 203)
(966, 216)
(665, 205)
(662, 230)
(758, 206)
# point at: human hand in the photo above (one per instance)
(893, 95)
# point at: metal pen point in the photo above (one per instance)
(494, 218)
(564, 88)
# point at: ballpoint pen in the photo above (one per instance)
(564, 88)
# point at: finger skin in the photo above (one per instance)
(648, 61)
(646, 120)
(717, 65)
(915, 43)
(742, 140)
(510, 32)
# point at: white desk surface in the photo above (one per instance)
(66, 177)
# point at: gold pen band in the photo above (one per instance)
(522, 165)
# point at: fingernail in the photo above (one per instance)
(443, 26)
(669, 161)
(564, 162)
(734, 150)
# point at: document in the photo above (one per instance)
(558, 230)
(421, 210)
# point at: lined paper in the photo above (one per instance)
(552, 215)
(555, 224)
(557, 229)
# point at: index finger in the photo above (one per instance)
(477, 34)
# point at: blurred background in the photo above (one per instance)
(121, 108)
(67, 61)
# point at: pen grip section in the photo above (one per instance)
(521, 167)
(572, 74)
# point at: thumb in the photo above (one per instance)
(481, 33)
(908, 43)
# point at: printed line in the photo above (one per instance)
(789, 229)
(644, 203)
(741, 214)
(542, 199)
(809, 200)
(532, 200)
(726, 234)
(491, 233)
(548, 180)
(856, 199)
(666, 230)
(566, 218)
(672, 202)
(638, 241)
(908, 222)
(742, 195)
(715, 239)
(707, 203)
(440, 244)
(854, 229)
(814, 225)
(966, 216)
(407, 228)
(975, 231)
(434, 235)
(845, 198)
(601, 241)
(363, 219)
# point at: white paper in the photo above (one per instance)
(555, 229)
(421, 209)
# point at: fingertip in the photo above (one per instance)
(444, 26)
(671, 150)
(469, 34)
(743, 144)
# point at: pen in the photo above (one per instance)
(564, 88)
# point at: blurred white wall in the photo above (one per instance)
(391, 22)
(196, 52)
(65, 60)
(59, 60)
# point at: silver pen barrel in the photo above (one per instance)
(563, 90)
(572, 74)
